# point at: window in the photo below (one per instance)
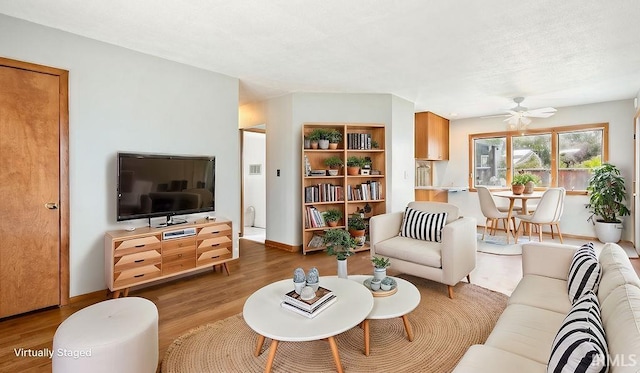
(561, 156)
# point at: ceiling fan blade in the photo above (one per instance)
(495, 116)
(542, 112)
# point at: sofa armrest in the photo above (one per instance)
(547, 259)
(383, 227)
(460, 244)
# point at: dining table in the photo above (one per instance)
(523, 198)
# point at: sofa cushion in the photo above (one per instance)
(621, 318)
(616, 270)
(542, 292)
(422, 225)
(414, 251)
(580, 345)
(584, 272)
(453, 211)
(482, 358)
(527, 331)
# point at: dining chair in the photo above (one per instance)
(492, 213)
(548, 212)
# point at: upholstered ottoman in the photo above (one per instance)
(117, 335)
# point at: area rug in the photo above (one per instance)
(443, 330)
(498, 245)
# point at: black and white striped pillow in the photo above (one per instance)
(584, 272)
(580, 345)
(423, 225)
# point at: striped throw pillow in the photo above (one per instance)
(584, 272)
(423, 225)
(580, 345)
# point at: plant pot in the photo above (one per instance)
(332, 223)
(314, 145)
(528, 187)
(333, 145)
(333, 172)
(342, 268)
(608, 232)
(379, 273)
(358, 235)
(307, 143)
(375, 284)
(517, 189)
(323, 144)
(353, 171)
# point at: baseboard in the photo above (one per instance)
(104, 293)
(282, 246)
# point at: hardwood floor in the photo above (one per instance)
(206, 297)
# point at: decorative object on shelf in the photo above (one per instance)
(527, 180)
(307, 142)
(340, 244)
(334, 138)
(366, 166)
(374, 144)
(353, 165)
(307, 293)
(319, 137)
(332, 216)
(386, 283)
(334, 163)
(299, 280)
(313, 278)
(374, 284)
(380, 267)
(307, 166)
(357, 228)
(607, 194)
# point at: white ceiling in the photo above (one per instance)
(467, 57)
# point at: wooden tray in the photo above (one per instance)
(380, 292)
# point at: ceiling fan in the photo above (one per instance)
(519, 116)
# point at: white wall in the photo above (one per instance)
(121, 100)
(619, 115)
(254, 147)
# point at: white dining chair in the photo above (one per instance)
(492, 213)
(548, 212)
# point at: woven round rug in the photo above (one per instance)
(443, 330)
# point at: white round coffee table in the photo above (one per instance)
(263, 313)
(405, 300)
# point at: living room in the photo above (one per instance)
(126, 100)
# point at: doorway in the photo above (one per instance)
(254, 183)
(34, 138)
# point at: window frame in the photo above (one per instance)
(554, 132)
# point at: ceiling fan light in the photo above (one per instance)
(525, 120)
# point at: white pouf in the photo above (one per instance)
(117, 335)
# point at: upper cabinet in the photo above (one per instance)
(431, 137)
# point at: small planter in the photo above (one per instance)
(379, 273)
(323, 144)
(528, 187)
(333, 145)
(332, 223)
(375, 284)
(517, 189)
(353, 171)
(314, 145)
(333, 172)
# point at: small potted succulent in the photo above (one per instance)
(353, 165)
(386, 283)
(332, 216)
(334, 138)
(380, 266)
(321, 137)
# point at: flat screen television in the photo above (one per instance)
(153, 185)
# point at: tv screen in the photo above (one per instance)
(151, 185)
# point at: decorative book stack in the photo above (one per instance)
(309, 307)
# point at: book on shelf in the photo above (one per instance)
(322, 295)
(310, 314)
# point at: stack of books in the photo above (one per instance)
(312, 307)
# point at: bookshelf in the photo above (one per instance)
(362, 193)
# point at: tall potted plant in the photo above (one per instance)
(340, 244)
(607, 194)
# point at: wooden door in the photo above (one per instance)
(33, 267)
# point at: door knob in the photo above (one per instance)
(51, 205)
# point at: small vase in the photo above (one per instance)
(379, 273)
(517, 189)
(342, 269)
(323, 144)
(307, 143)
(528, 187)
(375, 284)
(333, 145)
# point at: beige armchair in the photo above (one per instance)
(447, 261)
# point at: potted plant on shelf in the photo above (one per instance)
(340, 244)
(607, 194)
(321, 136)
(334, 138)
(357, 228)
(334, 163)
(332, 216)
(353, 165)
(380, 265)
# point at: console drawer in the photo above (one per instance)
(179, 265)
(213, 243)
(215, 231)
(141, 259)
(136, 275)
(214, 256)
(136, 245)
(173, 245)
